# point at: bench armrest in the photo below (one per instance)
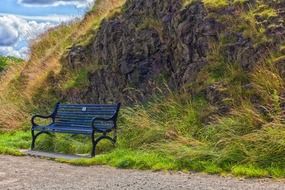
(52, 116)
(40, 116)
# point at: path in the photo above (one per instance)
(33, 173)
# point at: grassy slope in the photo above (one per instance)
(169, 133)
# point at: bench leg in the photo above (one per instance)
(95, 142)
(35, 136)
(33, 140)
(115, 136)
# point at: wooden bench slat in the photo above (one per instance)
(91, 105)
(75, 126)
(70, 124)
(97, 107)
(87, 106)
(89, 122)
(83, 120)
(87, 114)
(78, 118)
(70, 130)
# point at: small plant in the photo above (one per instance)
(6, 61)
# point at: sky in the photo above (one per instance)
(21, 21)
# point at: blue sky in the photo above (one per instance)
(21, 21)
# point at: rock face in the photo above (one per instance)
(153, 44)
(156, 45)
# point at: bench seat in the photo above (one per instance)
(63, 129)
(53, 128)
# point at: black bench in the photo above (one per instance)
(80, 119)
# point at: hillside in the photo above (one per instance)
(202, 82)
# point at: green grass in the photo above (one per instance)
(10, 143)
(6, 61)
(128, 158)
(212, 4)
(123, 158)
(78, 80)
(179, 132)
(250, 171)
(168, 134)
(216, 4)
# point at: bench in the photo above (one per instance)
(80, 119)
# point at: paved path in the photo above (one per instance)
(33, 173)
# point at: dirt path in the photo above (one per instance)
(33, 173)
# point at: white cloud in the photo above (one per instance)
(8, 34)
(16, 32)
(50, 18)
(11, 51)
(77, 3)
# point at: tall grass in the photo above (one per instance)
(170, 134)
(12, 103)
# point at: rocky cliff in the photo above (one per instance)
(153, 46)
(149, 43)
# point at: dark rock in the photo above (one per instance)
(152, 44)
(158, 43)
(215, 93)
(77, 57)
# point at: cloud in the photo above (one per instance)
(50, 18)
(77, 3)
(16, 32)
(12, 51)
(8, 34)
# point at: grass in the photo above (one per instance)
(11, 142)
(173, 132)
(8, 60)
(78, 79)
(216, 4)
(11, 101)
(211, 4)
(169, 134)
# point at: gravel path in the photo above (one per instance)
(33, 173)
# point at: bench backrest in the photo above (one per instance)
(81, 116)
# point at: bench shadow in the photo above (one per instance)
(52, 155)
